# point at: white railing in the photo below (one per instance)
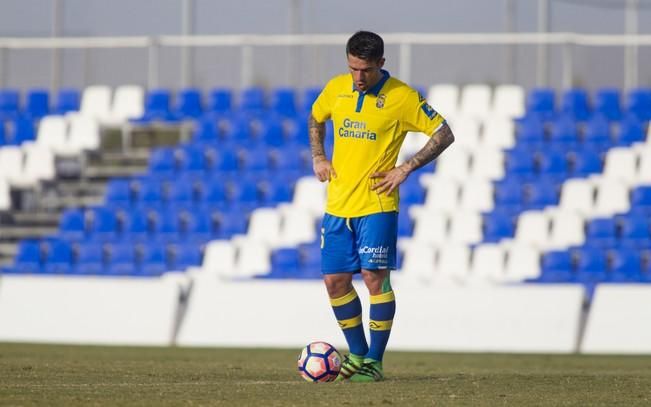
(405, 41)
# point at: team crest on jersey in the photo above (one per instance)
(429, 111)
(380, 101)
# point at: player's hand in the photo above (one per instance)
(388, 181)
(323, 169)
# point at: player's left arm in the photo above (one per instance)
(390, 180)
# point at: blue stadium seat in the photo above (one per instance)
(590, 260)
(254, 159)
(641, 198)
(288, 158)
(309, 96)
(508, 192)
(90, 259)
(118, 192)
(296, 131)
(540, 102)
(411, 192)
(629, 131)
(122, 260)
(198, 227)
(597, 131)
(519, 163)
(575, 103)
(28, 257)
(555, 261)
(601, 232)
(252, 100)
(625, 262)
(564, 132)
(205, 131)
(103, 225)
(222, 159)
(634, 229)
(530, 131)
(21, 130)
(9, 103)
(211, 191)
(220, 101)
(58, 257)
(238, 131)
(188, 104)
(72, 224)
(607, 103)
(67, 101)
(285, 263)
(271, 132)
(405, 223)
(153, 259)
(157, 106)
(184, 256)
(232, 222)
(149, 191)
(191, 159)
(496, 226)
(639, 103)
(275, 190)
(135, 225)
(38, 103)
(584, 162)
(283, 102)
(162, 162)
(551, 161)
(165, 225)
(180, 192)
(245, 191)
(540, 194)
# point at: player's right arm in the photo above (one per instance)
(320, 163)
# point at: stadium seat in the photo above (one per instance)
(497, 226)
(508, 102)
(283, 102)
(629, 131)
(621, 165)
(118, 192)
(488, 164)
(465, 227)
(72, 225)
(231, 222)
(540, 102)
(419, 261)
(612, 198)
(21, 129)
(205, 132)
(522, 262)
(556, 261)
(9, 104)
(68, 100)
(219, 258)
(590, 260)
(188, 104)
(499, 133)
(475, 101)
(28, 257)
(567, 230)
(149, 191)
(442, 194)
(58, 256)
(519, 162)
(53, 133)
(634, 229)
(222, 160)
(405, 223)
(607, 103)
(83, 135)
(467, 130)
(220, 101)
(165, 225)
(135, 225)
(538, 195)
(626, 262)
(90, 259)
(533, 228)
(103, 224)
(285, 263)
(264, 226)
(577, 195)
(453, 262)
(551, 161)
(454, 164)
(38, 104)
(39, 165)
(308, 98)
(488, 261)
(477, 195)
(253, 258)
(275, 190)
(444, 98)
(530, 131)
(564, 132)
(122, 260)
(601, 232)
(575, 104)
(5, 195)
(252, 100)
(641, 198)
(153, 259)
(191, 159)
(96, 102)
(429, 226)
(157, 106)
(162, 162)
(638, 103)
(584, 162)
(243, 191)
(597, 131)
(127, 104)
(310, 194)
(270, 132)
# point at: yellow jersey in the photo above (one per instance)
(369, 128)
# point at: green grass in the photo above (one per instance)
(44, 375)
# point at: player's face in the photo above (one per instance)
(365, 73)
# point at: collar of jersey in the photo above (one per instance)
(376, 88)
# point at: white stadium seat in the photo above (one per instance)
(466, 132)
(219, 258)
(498, 132)
(475, 101)
(11, 163)
(253, 258)
(310, 194)
(38, 166)
(465, 227)
(522, 262)
(264, 226)
(488, 261)
(418, 261)
(430, 227)
(578, 195)
(477, 195)
(621, 165)
(454, 163)
(84, 134)
(297, 226)
(5, 194)
(441, 194)
(128, 103)
(612, 198)
(567, 229)
(508, 101)
(444, 98)
(96, 102)
(453, 262)
(533, 228)
(487, 164)
(52, 133)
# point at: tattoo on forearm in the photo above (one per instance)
(317, 135)
(434, 147)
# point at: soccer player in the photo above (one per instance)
(371, 114)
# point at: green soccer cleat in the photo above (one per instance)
(349, 367)
(371, 371)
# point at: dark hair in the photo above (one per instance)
(365, 45)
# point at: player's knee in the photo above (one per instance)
(338, 285)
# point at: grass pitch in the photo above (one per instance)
(44, 375)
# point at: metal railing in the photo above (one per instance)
(152, 45)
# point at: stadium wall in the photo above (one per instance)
(198, 309)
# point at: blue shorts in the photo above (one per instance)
(351, 244)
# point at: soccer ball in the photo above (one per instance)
(319, 362)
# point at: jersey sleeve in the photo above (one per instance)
(418, 115)
(322, 106)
